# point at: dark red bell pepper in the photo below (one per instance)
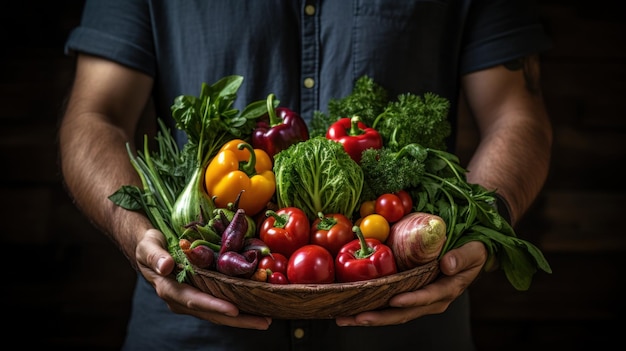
(279, 129)
(364, 259)
(355, 136)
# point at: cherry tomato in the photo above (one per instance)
(390, 206)
(407, 201)
(277, 278)
(311, 264)
(276, 262)
(367, 208)
(332, 231)
(285, 230)
(375, 226)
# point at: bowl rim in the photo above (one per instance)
(298, 287)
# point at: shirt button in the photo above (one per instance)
(309, 10)
(309, 83)
(298, 333)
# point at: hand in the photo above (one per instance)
(459, 268)
(156, 265)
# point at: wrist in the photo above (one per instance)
(503, 208)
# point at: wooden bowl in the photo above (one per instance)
(312, 301)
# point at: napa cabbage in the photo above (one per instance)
(318, 175)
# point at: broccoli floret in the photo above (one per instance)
(388, 171)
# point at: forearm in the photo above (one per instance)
(513, 160)
(103, 111)
(95, 163)
(513, 155)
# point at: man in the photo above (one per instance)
(137, 56)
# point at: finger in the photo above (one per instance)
(242, 321)
(472, 255)
(440, 289)
(185, 299)
(392, 316)
(432, 299)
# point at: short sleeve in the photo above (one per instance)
(118, 30)
(500, 31)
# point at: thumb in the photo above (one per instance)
(151, 251)
(470, 255)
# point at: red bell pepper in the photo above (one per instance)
(355, 136)
(279, 129)
(332, 231)
(364, 259)
(285, 230)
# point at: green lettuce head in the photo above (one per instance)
(318, 175)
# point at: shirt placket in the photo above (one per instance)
(310, 46)
(309, 101)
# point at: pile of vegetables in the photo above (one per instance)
(366, 192)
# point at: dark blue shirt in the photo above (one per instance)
(306, 53)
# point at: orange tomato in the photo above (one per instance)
(375, 226)
(367, 208)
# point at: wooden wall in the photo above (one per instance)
(68, 286)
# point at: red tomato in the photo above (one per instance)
(332, 231)
(276, 262)
(277, 278)
(285, 230)
(311, 264)
(407, 201)
(390, 206)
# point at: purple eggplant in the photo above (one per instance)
(238, 264)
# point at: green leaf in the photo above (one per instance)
(226, 86)
(518, 269)
(518, 258)
(257, 109)
(128, 197)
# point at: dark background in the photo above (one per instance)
(66, 285)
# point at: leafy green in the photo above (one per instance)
(212, 113)
(318, 175)
(415, 119)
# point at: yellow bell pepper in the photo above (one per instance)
(236, 167)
